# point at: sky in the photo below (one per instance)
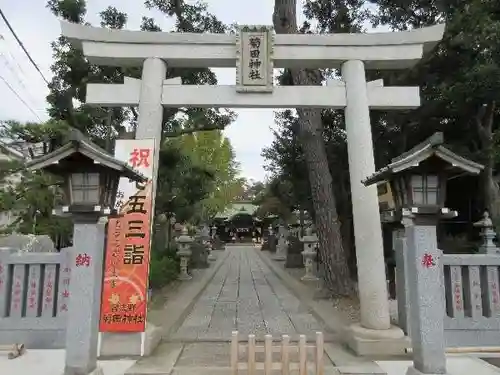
(37, 28)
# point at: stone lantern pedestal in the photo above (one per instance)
(427, 309)
(184, 241)
(87, 257)
(309, 253)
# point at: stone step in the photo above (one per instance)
(227, 371)
(214, 359)
(161, 362)
(328, 370)
(226, 337)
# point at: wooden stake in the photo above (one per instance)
(319, 354)
(234, 353)
(285, 358)
(268, 364)
(251, 355)
(302, 355)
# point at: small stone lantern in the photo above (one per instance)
(310, 240)
(418, 182)
(488, 235)
(184, 241)
(90, 185)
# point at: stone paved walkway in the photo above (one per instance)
(245, 295)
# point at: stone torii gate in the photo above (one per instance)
(255, 51)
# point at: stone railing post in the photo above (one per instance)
(487, 234)
(184, 241)
(309, 240)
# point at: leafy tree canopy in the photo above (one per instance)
(190, 180)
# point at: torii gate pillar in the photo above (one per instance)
(150, 119)
(373, 294)
(375, 322)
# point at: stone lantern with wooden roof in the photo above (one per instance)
(91, 178)
(418, 182)
(418, 177)
(90, 174)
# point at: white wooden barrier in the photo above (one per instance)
(252, 367)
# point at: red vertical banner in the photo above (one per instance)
(126, 273)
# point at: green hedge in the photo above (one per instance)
(164, 267)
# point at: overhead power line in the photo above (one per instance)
(20, 98)
(22, 46)
(17, 76)
(13, 58)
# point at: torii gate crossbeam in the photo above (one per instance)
(207, 96)
(400, 50)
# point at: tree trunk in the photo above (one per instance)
(311, 137)
(484, 126)
(346, 225)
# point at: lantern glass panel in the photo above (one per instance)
(111, 189)
(432, 189)
(417, 189)
(85, 188)
(425, 189)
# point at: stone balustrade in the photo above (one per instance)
(472, 295)
(34, 296)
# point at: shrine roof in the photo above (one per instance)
(237, 208)
(79, 144)
(431, 147)
(11, 152)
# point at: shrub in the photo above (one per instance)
(163, 269)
